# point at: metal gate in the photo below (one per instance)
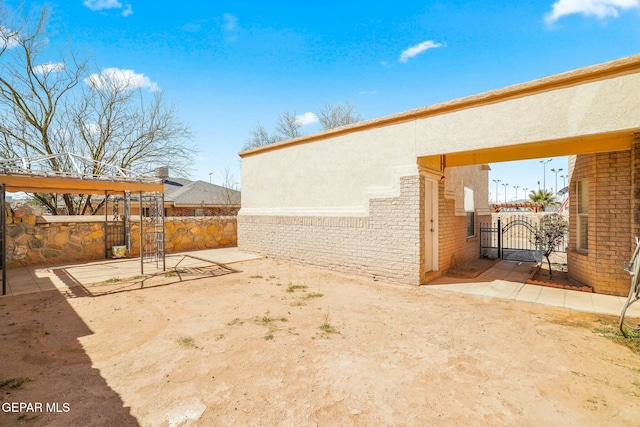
(114, 225)
(512, 238)
(519, 240)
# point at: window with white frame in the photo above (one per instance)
(582, 215)
(469, 207)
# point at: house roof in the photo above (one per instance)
(605, 70)
(201, 193)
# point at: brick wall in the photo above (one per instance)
(610, 229)
(455, 247)
(385, 244)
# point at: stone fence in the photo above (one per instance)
(57, 239)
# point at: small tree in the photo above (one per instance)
(553, 229)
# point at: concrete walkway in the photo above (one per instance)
(37, 279)
(506, 280)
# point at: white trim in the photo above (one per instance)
(305, 211)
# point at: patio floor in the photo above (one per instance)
(37, 279)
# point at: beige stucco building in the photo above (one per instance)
(398, 197)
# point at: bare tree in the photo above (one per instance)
(258, 137)
(333, 116)
(115, 123)
(46, 108)
(229, 193)
(553, 229)
(289, 125)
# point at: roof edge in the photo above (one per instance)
(568, 78)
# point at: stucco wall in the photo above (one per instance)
(589, 108)
(330, 177)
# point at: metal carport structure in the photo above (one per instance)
(34, 175)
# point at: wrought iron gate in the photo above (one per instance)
(512, 238)
(115, 230)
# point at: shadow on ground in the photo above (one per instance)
(39, 346)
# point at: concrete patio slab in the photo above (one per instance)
(38, 279)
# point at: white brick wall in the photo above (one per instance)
(385, 244)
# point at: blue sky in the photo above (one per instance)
(229, 65)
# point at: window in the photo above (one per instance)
(471, 224)
(582, 223)
(469, 207)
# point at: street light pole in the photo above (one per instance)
(544, 176)
(516, 187)
(556, 172)
(505, 192)
(496, 181)
(525, 194)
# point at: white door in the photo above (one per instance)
(430, 225)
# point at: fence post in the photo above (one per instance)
(499, 239)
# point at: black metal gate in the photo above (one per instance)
(511, 239)
(114, 223)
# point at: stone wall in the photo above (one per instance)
(384, 244)
(40, 240)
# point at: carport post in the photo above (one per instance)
(141, 244)
(3, 248)
(106, 224)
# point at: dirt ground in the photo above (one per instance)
(282, 344)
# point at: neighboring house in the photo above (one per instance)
(183, 197)
(399, 197)
(199, 198)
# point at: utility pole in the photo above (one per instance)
(544, 176)
(525, 193)
(516, 187)
(505, 192)
(496, 181)
(556, 171)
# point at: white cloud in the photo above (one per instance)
(48, 67)
(418, 49)
(598, 8)
(307, 119)
(109, 4)
(367, 92)
(127, 11)
(119, 79)
(230, 22)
